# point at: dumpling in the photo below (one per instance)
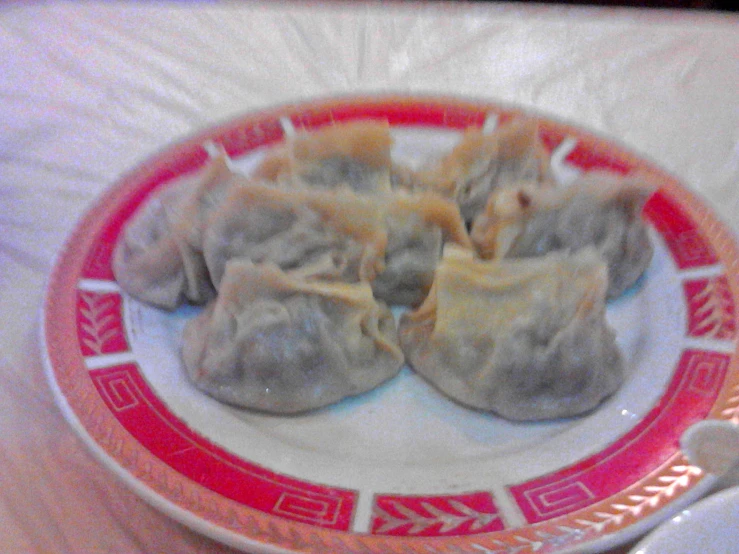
(482, 163)
(206, 197)
(392, 241)
(158, 258)
(601, 210)
(417, 227)
(355, 155)
(323, 234)
(275, 342)
(526, 339)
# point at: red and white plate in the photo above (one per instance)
(402, 469)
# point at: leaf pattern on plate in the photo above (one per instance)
(712, 308)
(447, 521)
(100, 323)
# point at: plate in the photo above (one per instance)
(402, 469)
(707, 526)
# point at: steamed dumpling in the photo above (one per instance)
(352, 155)
(599, 210)
(275, 342)
(482, 163)
(526, 339)
(392, 241)
(417, 228)
(158, 258)
(323, 234)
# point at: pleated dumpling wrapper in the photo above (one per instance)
(392, 241)
(482, 163)
(600, 209)
(354, 155)
(158, 258)
(331, 235)
(275, 342)
(526, 339)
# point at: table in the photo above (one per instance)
(88, 91)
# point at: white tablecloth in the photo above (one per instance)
(89, 90)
